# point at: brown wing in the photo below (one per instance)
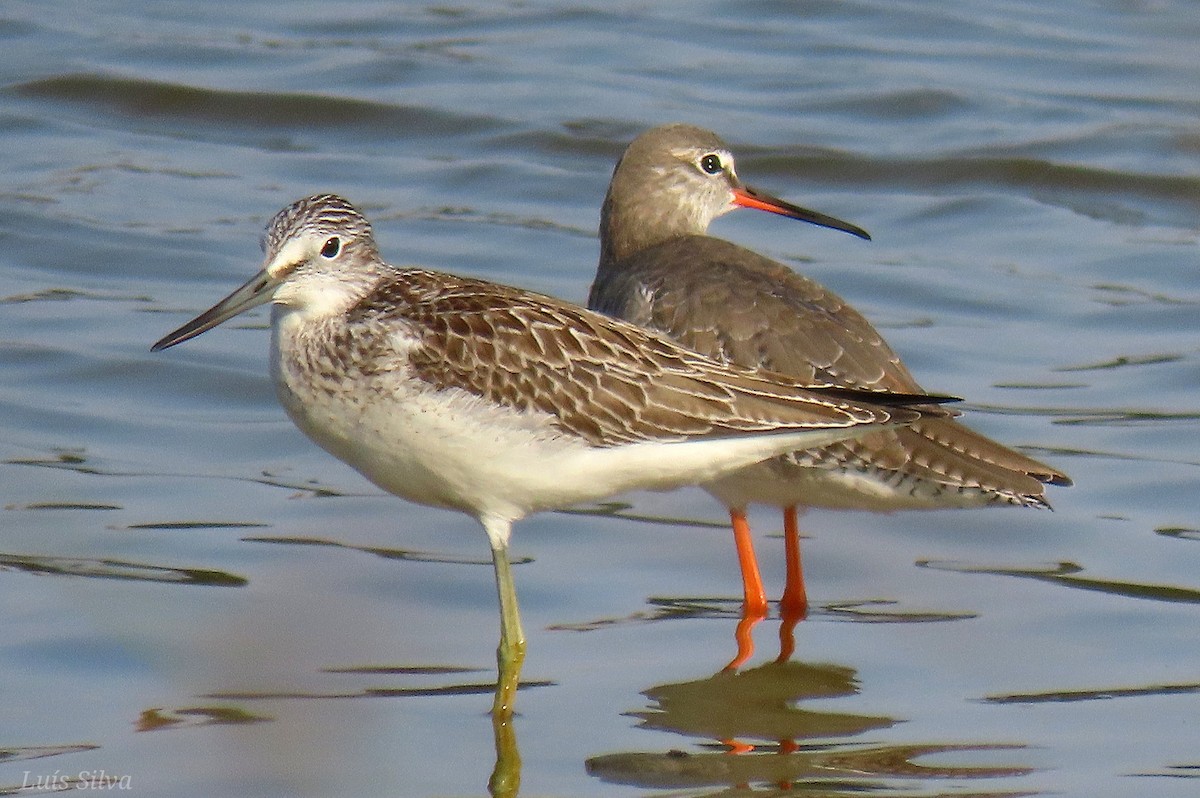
(603, 379)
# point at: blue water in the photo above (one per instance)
(198, 599)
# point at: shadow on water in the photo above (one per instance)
(768, 743)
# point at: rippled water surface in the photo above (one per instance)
(197, 601)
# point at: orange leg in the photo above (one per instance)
(754, 603)
(793, 607)
(795, 599)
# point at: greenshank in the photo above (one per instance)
(459, 393)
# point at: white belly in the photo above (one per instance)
(451, 449)
(447, 447)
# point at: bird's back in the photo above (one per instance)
(728, 302)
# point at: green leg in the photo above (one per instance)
(506, 777)
(511, 652)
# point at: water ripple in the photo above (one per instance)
(183, 105)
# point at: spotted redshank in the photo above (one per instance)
(472, 396)
(659, 269)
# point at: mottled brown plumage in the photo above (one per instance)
(464, 394)
(606, 381)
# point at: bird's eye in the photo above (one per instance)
(711, 164)
(332, 247)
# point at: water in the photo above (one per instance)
(198, 599)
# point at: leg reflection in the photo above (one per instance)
(744, 636)
(505, 781)
(793, 607)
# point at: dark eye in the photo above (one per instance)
(711, 164)
(332, 247)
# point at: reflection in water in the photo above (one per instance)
(1181, 532)
(42, 781)
(769, 740)
(1069, 696)
(157, 718)
(835, 771)
(766, 736)
(386, 552)
(22, 752)
(791, 612)
(505, 780)
(1065, 573)
(758, 704)
(62, 506)
(664, 609)
(75, 459)
(1175, 772)
(753, 712)
(118, 569)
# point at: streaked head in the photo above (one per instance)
(319, 251)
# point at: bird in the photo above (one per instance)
(660, 269)
(497, 402)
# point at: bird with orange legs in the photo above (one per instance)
(660, 269)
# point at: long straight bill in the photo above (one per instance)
(258, 290)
